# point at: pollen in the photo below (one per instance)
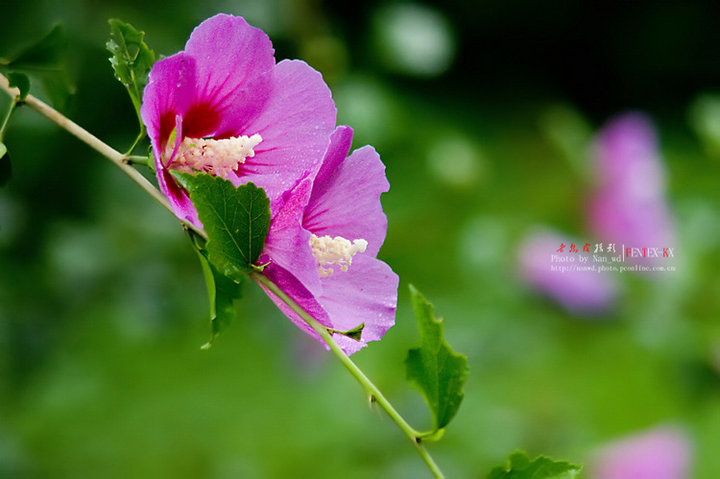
(336, 251)
(217, 157)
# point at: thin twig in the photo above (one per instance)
(120, 160)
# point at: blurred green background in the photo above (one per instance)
(482, 112)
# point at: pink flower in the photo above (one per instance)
(324, 238)
(628, 205)
(225, 107)
(570, 284)
(658, 454)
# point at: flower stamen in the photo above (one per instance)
(336, 251)
(217, 157)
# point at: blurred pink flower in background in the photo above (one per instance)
(628, 205)
(577, 290)
(662, 453)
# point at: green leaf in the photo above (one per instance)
(236, 221)
(59, 88)
(222, 292)
(21, 81)
(519, 466)
(45, 61)
(131, 59)
(437, 371)
(45, 54)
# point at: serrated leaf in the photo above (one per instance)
(222, 293)
(519, 466)
(21, 82)
(437, 371)
(236, 221)
(131, 58)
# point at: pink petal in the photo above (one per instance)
(288, 243)
(304, 298)
(365, 294)
(340, 143)
(627, 148)
(169, 93)
(346, 202)
(614, 217)
(348, 345)
(663, 453)
(230, 55)
(578, 291)
(628, 204)
(177, 196)
(295, 124)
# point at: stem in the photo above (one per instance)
(138, 139)
(120, 160)
(6, 120)
(124, 163)
(370, 388)
(137, 160)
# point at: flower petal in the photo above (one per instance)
(230, 56)
(169, 93)
(304, 298)
(661, 453)
(288, 243)
(340, 143)
(289, 284)
(295, 124)
(178, 198)
(581, 292)
(365, 294)
(348, 345)
(346, 202)
(628, 204)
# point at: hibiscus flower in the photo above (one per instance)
(224, 107)
(660, 453)
(579, 290)
(324, 238)
(628, 205)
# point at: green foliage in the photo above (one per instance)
(222, 293)
(43, 54)
(131, 58)
(236, 220)
(21, 82)
(519, 466)
(437, 371)
(131, 61)
(45, 61)
(5, 168)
